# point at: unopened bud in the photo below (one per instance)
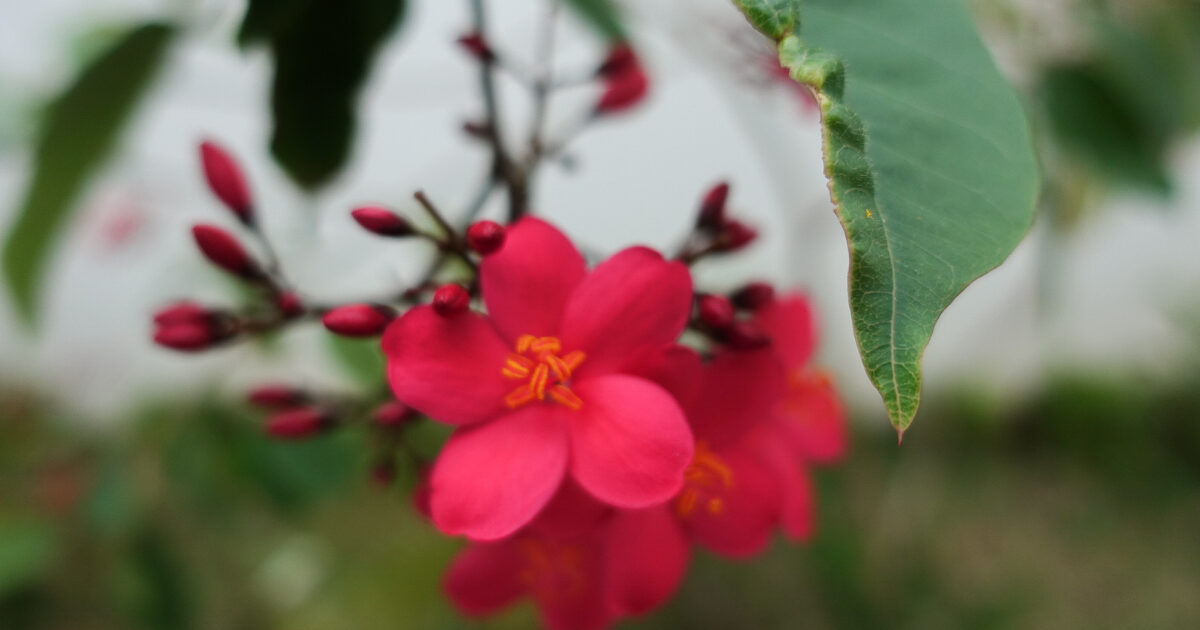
(735, 235)
(226, 181)
(392, 414)
(746, 335)
(289, 304)
(620, 59)
(297, 424)
(485, 237)
(753, 296)
(623, 91)
(712, 207)
(358, 320)
(450, 299)
(189, 327)
(477, 47)
(382, 221)
(276, 396)
(715, 311)
(223, 250)
(181, 312)
(476, 129)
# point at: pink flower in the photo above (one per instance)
(544, 386)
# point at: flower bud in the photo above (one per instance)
(485, 237)
(392, 414)
(450, 299)
(753, 296)
(276, 396)
(746, 335)
(735, 235)
(477, 129)
(226, 181)
(715, 311)
(289, 304)
(382, 221)
(189, 327)
(620, 60)
(477, 47)
(298, 423)
(181, 312)
(712, 207)
(358, 320)
(223, 250)
(623, 92)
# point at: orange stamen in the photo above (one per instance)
(566, 397)
(537, 362)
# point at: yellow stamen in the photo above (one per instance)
(566, 397)
(537, 362)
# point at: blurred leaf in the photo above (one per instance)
(152, 585)
(322, 53)
(77, 135)
(601, 14)
(27, 549)
(931, 167)
(111, 508)
(362, 359)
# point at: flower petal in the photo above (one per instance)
(632, 300)
(447, 367)
(646, 556)
(813, 419)
(740, 521)
(492, 479)
(738, 392)
(571, 512)
(629, 441)
(797, 497)
(567, 583)
(675, 368)
(526, 283)
(790, 323)
(485, 578)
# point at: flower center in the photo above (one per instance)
(537, 362)
(553, 569)
(707, 477)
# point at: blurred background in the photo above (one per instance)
(1051, 480)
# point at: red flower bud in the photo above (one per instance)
(485, 237)
(476, 129)
(358, 320)
(746, 335)
(623, 91)
(712, 207)
(223, 250)
(276, 396)
(289, 304)
(187, 336)
(620, 59)
(297, 424)
(715, 311)
(753, 296)
(226, 181)
(382, 221)
(735, 235)
(450, 299)
(392, 414)
(477, 47)
(181, 312)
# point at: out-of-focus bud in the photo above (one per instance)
(620, 59)
(276, 396)
(358, 320)
(715, 311)
(223, 250)
(712, 207)
(477, 46)
(189, 327)
(746, 335)
(382, 221)
(298, 423)
(289, 304)
(477, 129)
(450, 299)
(753, 296)
(392, 414)
(734, 236)
(485, 237)
(623, 91)
(181, 312)
(226, 181)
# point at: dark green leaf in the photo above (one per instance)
(77, 135)
(323, 51)
(774, 18)
(27, 549)
(930, 162)
(602, 15)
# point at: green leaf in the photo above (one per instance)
(361, 359)
(78, 133)
(27, 550)
(323, 51)
(774, 18)
(602, 15)
(930, 165)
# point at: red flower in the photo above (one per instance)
(543, 386)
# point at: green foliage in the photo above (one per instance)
(602, 15)
(323, 52)
(79, 130)
(27, 549)
(361, 359)
(930, 163)
(774, 18)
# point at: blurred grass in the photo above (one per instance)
(1079, 509)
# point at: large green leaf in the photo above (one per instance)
(602, 15)
(323, 51)
(930, 165)
(80, 129)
